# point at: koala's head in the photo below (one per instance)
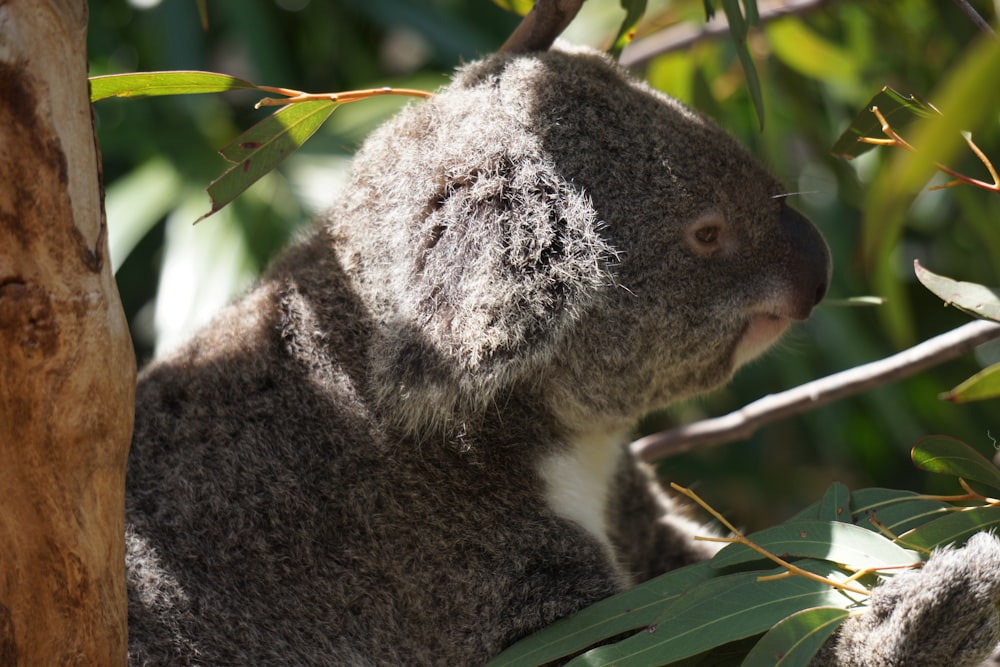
(548, 224)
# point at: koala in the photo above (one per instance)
(405, 446)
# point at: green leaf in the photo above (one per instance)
(895, 511)
(835, 504)
(264, 146)
(150, 84)
(717, 612)
(983, 385)
(808, 53)
(971, 298)
(795, 640)
(899, 109)
(635, 608)
(853, 301)
(519, 7)
(952, 529)
(949, 456)
(968, 99)
(833, 541)
(738, 27)
(136, 202)
(634, 10)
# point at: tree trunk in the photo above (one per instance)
(67, 370)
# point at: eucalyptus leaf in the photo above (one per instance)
(635, 608)
(717, 612)
(972, 298)
(835, 504)
(952, 529)
(893, 510)
(152, 84)
(833, 541)
(899, 109)
(634, 10)
(983, 385)
(950, 456)
(795, 640)
(264, 146)
(968, 98)
(519, 7)
(738, 27)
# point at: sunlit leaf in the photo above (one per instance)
(634, 9)
(833, 541)
(949, 456)
(854, 301)
(717, 612)
(151, 84)
(635, 608)
(519, 7)
(795, 640)
(893, 510)
(983, 385)
(835, 504)
(261, 148)
(972, 298)
(899, 109)
(954, 528)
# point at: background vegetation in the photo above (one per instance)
(818, 68)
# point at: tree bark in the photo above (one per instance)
(67, 370)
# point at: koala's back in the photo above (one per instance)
(271, 520)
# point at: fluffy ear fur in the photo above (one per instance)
(493, 257)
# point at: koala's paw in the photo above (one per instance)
(944, 614)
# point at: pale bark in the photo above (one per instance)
(67, 370)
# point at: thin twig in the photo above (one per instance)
(683, 35)
(744, 422)
(975, 17)
(296, 96)
(894, 139)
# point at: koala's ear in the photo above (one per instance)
(506, 257)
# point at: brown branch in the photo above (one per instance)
(683, 35)
(744, 422)
(542, 25)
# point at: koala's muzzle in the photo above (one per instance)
(807, 264)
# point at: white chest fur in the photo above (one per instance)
(578, 481)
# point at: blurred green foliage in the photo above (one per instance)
(817, 68)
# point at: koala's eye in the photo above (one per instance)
(707, 235)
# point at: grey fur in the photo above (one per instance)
(943, 615)
(404, 446)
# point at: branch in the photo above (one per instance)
(974, 16)
(542, 25)
(744, 422)
(683, 35)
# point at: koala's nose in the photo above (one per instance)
(807, 261)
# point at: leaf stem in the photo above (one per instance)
(894, 139)
(740, 538)
(296, 96)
